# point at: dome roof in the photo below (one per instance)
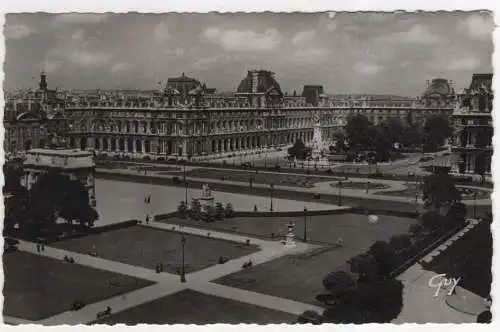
(265, 82)
(439, 86)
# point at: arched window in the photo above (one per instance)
(138, 146)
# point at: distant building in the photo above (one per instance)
(472, 119)
(78, 165)
(312, 94)
(183, 85)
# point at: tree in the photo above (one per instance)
(16, 210)
(456, 215)
(378, 301)
(439, 192)
(219, 211)
(437, 128)
(393, 129)
(339, 145)
(433, 222)
(338, 282)
(356, 130)
(416, 230)
(401, 242)
(386, 257)
(299, 150)
(209, 214)
(365, 265)
(412, 135)
(12, 175)
(229, 211)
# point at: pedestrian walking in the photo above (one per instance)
(38, 247)
(43, 247)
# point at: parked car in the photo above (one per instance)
(275, 168)
(316, 196)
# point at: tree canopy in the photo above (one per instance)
(439, 190)
(299, 150)
(385, 255)
(437, 128)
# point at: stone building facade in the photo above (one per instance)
(202, 124)
(472, 120)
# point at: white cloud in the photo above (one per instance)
(17, 31)
(243, 40)
(89, 59)
(77, 18)
(418, 34)
(310, 55)
(161, 32)
(51, 67)
(466, 63)
(366, 68)
(303, 37)
(176, 51)
(78, 35)
(205, 63)
(478, 26)
(120, 67)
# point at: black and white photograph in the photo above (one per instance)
(327, 167)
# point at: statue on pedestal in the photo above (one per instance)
(290, 236)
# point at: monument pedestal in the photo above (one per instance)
(290, 236)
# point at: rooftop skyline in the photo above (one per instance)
(373, 53)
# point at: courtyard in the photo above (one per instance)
(121, 200)
(37, 287)
(145, 246)
(299, 277)
(191, 307)
(292, 180)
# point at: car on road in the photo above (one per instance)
(275, 168)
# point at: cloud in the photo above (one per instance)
(303, 37)
(17, 31)
(78, 35)
(478, 26)
(51, 67)
(89, 59)
(77, 18)
(243, 40)
(310, 55)
(418, 34)
(120, 67)
(366, 68)
(176, 51)
(205, 63)
(465, 63)
(161, 32)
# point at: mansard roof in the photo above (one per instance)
(481, 82)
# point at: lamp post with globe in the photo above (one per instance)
(183, 269)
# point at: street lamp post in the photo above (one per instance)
(183, 270)
(475, 203)
(271, 195)
(340, 194)
(305, 224)
(185, 186)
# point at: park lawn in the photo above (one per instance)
(258, 177)
(38, 287)
(320, 228)
(469, 258)
(146, 246)
(412, 190)
(191, 307)
(299, 277)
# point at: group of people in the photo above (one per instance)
(40, 247)
(69, 259)
(159, 267)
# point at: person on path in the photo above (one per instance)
(38, 247)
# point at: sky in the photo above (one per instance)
(373, 53)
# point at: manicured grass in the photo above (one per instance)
(191, 307)
(38, 287)
(322, 228)
(359, 185)
(470, 259)
(300, 277)
(146, 246)
(259, 177)
(412, 190)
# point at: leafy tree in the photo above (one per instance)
(393, 129)
(401, 242)
(386, 257)
(338, 282)
(339, 143)
(416, 230)
(456, 215)
(433, 222)
(66, 198)
(299, 150)
(412, 135)
(12, 175)
(439, 192)
(16, 210)
(182, 210)
(365, 265)
(209, 214)
(437, 128)
(219, 211)
(356, 130)
(229, 211)
(379, 301)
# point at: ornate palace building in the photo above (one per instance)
(473, 124)
(185, 119)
